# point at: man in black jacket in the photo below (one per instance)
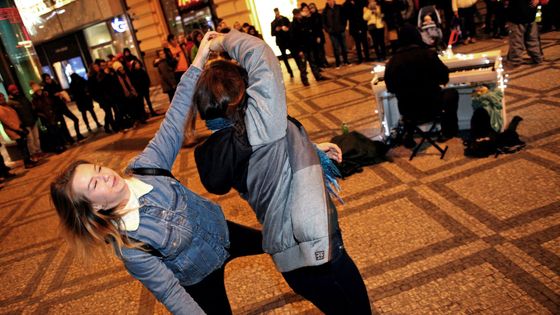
(334, 22)
(523, 32)
(302, 39)
(354, 10)
(414, 74)
(280, 29)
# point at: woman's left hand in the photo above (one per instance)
(332, 150)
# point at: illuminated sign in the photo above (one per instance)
(184, 4)
(119, 25)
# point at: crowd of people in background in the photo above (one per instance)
(121, 85)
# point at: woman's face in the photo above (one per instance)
(199, 37)
(102, 186)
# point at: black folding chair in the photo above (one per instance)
(427, 136)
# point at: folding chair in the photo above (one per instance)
(427, 136)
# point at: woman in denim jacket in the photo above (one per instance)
(172, 240)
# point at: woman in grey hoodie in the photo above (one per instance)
(267, 156)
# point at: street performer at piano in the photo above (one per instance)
(415, 75)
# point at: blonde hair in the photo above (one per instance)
(85, 229)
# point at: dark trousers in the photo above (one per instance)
(93, 115)
(285, 58)
(335, 287)
(446, 110)
(338, 41)
(170, 94)
(65, 111)
(498, 25)
(22, 147)
(467, 17)
(378, 37)
(449, 120)
(301, 62)
(360, 39)
(210, 293)
(110, 118)
(4, 170)
(145, 95)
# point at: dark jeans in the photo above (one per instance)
(63, 110)
(467, 17)
(22, 147)
(93, 115)
(446, 110)
(360, 39)
(285, 58)
(170, 94)
(145, 95)
(338, 41)
(335, 287)
(210, 293)
(302, 65)
(378, 37)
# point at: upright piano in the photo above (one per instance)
(466, 72)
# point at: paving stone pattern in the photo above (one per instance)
(430, 236)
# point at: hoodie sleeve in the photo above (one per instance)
(266, 116)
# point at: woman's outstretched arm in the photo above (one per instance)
(266, 116)
(164, 146)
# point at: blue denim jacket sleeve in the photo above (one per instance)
(164, 146)
(164, 285)
(266, 111)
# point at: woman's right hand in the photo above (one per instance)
(204, 49)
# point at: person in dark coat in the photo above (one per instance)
(141, 82)
(164, 64)
(114, 94)
(302, 37)
(280, 28)
(98, 94)
(55, 91)
(81, 95)
(28, 117)
(354, 11)
(43, 105)
(129, 96)
(414, 74)
(334, 22)
(523, 32)
(319, 36)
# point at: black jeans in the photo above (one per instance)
(65, 111)
(22, 146)
(335, 287)
(285, 56)
(210, 293)
(360, 39)
(378, 37)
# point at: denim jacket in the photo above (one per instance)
(189, 231)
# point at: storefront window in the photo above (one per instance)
(198, 19)
(110, 38)
(97, 34)
(172, 16)
(17, 44)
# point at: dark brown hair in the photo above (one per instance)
(221, 93)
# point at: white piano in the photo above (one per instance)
(466, 72)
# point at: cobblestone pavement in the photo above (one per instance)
(430, 236)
